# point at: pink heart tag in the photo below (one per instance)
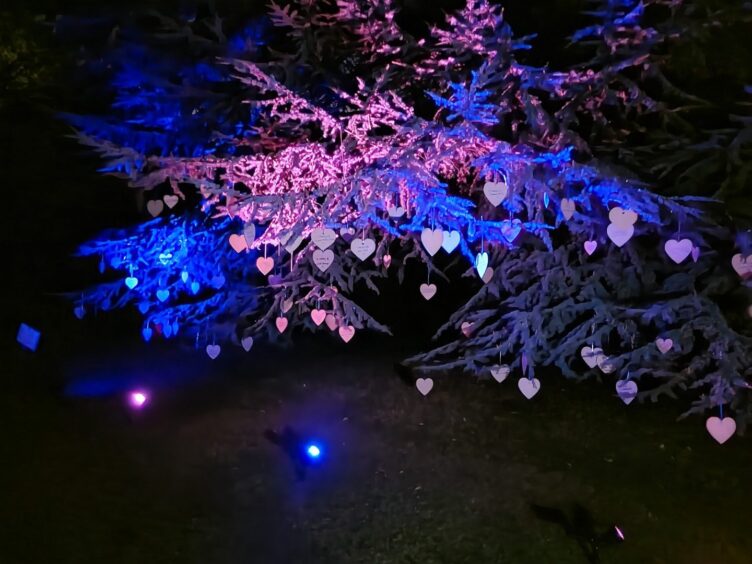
(590, 247)
(721, 429)
(664, 345)
(424, 385)
(347, 332)
(331, 322)
(428, 291)
(318, 316)
(281, 323)
(265, 264)
(387, 260)
(678, 250)
(466, 328)
(626, 390)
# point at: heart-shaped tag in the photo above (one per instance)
(265, 264)
(323, 259)
(143, 307)
(695, 253)
(432, 240)
(146, 333)
(163, 294)
(396, 212)
(281, 323)
(742, 265)
(387, 260)
(131, 282)
(165, 258)
(678, 250)
(510, 229)
(323, 238)
(481, 263)
(347, 332)
(195, 287)
(286, 305)
(246, 343)
(363, 248)
(451, 240)
(606, 365)
(171, 200)
(500, 372)
(213, 351)
(217, 281)
(155, 207)
(428, 291)
(591, 356)
(626, 390)
(664, 345)
(79, 311)
(619, 235)
(274, 279)
(590, 247)
(331, 322)
(622, 218)
(528, 387)
(495, 192)
(238, 244)
(167, 331)
(721, 429)
(184, 276)
(249, 233)
(318, 316)
(487, 275)
(567, 208)
(347, 233)
(466, 328)
(424, 385)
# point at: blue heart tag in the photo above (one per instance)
(184, 276)
(195, 287)
(164, 258)
(163, 294)
(131, 282)
(481, 263)
(146, 333)
(143, 307)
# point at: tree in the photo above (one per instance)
(366, 148)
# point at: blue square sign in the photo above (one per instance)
(28, 337)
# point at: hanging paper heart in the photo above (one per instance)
(155, 207)
(115, 262)
(171, 200)
(331, 322)
(396, 212)
(175, 328)
(213, 351)
(450, 241)
(424, 385)
(528, 387)
(79, 311)
(293, 244)
(567, 208)
(590, 247)
(164, 258)
(545, 200)
(742, 265)
(286, 305)
(466, 328)
(678, 250)
(487, 275)
(591, 356)
(619, 235)
(500, 372)
(249, 233)
(432, 240)
(238, 244)
(318, 316)
(281, 323)
(495, 192)
(347, 233)
(664, 345)
(695, 253)
(246, 343)
(146, 333)
(481, 263)
(721, 429)
(387, 260)
(217, 281)
(323, 259)
(428, 291)
(323, 238)
(184, 276)
(626, 390)
(265, 264)
(363, 248)
(131, 282)
(167, 331)
(622, 218)
(510, 229)
(163, 294)
(143, 307)
(195, 287)
(606, 365)
(347, 332)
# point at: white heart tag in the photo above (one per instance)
(213, 351)
(249, 232)
(450, 241)
(247, 343)
(323, 238)
(432, 240)
(424, 385)
(495, 192)
(500, 372)
(171, 200)
(323, 259)
(481, 263)
(721, 429)
(664, 345)
(528, 387)
(363, 248)
(678, 250)
(396, 212)
(626, 390)
(428, 291)
(591, 356)
(619, 235)
(567, 208)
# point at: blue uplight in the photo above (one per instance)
(313, 451)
